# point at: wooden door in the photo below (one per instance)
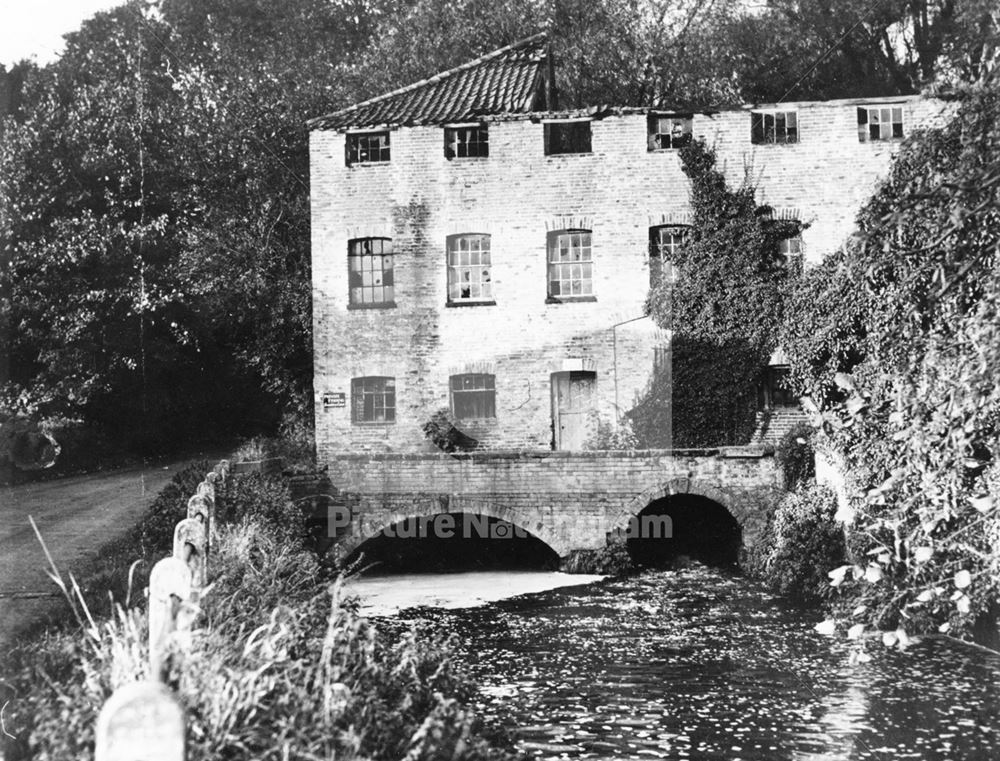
(572, 403)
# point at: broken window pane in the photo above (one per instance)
(774, 127)
(570, 263)
(466, 142)
(367, 147)
(668, 131)
(369, 271)
(469, 263)
(878, 123)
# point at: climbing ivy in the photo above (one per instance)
(896, 340)
(722, 309)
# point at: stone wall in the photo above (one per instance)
(517, 195)
(568, 500)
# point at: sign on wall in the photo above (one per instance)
(334, 400)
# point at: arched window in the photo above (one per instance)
(470, 269)
(571, 265)
(665, 242)
(369, 263)
(373, 399)
(473, 395)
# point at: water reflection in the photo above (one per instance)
(701, 664)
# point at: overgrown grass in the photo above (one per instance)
(281, 665)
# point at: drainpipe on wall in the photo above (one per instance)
(614, 352)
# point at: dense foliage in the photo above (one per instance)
(896, 339)
(282, 666)
(154, 222)
(801, 543)
(796, 456)
(721, 308)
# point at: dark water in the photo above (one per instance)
(698, 664)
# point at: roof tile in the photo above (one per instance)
(502, 82)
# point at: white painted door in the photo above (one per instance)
(572, 403)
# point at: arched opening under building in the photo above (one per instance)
(452, 542)
(681, 527)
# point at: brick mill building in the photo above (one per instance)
(477, 250)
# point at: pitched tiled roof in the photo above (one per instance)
(509, 80)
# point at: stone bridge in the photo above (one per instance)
(569, 500)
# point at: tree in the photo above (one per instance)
(896, 342)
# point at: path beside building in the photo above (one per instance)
(76, 516)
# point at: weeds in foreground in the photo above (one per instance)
(282, 666)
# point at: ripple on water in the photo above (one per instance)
(700, 664)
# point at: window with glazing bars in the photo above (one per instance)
(466, 142)
(774, 127)
(369, 263)
(469, 268)
(473, 395)
(571, 272)
(669, 131)
(367, 147)
(789, 250)
(664, 244)
(880, 123)
(373, 399)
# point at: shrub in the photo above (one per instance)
(608, 436)
(445, 435)
(796, 456)
(281, 667)
(803, 544)
(265, 500)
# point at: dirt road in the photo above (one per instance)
(76, 516)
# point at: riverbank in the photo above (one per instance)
(388, 595)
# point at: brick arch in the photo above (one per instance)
(620, 519)
(531, 520)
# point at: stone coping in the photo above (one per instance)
(736, 452)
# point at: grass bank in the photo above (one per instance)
(282, 665)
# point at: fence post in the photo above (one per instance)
(190, 546)
(141, 720)
(169, 589)
(203, 510)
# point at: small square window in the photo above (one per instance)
(878, 123)
(668, 131)
(473, 396)
(774, 127)
(567, 137)
(466, 142)
(367, 147)
(373, 400)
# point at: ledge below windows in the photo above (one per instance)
(455, 304)
(378, 305)
(569, 299)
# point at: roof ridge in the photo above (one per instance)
(526, 42)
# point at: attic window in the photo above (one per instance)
(567, 137)
(669, 131)
(774, 127)
(878, 123)
(367, 147)
(466, 141)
